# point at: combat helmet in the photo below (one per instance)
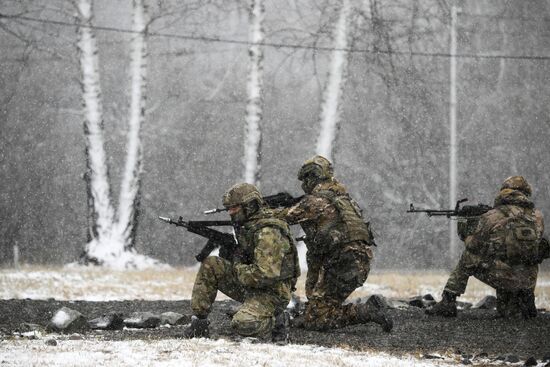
(242, 194)
(317, 166)
(313, 171)
(517, 183)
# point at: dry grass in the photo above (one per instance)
(177, 283)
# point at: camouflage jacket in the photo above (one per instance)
(488, 240)
(270, 249)
(331, 220)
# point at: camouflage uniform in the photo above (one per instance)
(338, 253)
(261, 278)
(493, 257)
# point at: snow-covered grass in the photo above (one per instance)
(98, 284)
(201, 352)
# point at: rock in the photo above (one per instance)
(75, 337)
(110, 321)
(416, 302)
(487, 303)
(511, 358)
(174, 318)
(482, 355)
(379, 300)
(428, 297)
(51, 342)
(400, 304)
(142, 320)
(467, 356)
(231, 310)
(67, 320)
(466, 361)
(296, 306)
(431, 356)
(531, 361)
(463, 305)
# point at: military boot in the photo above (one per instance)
(372, 311)
(197, 329)
(527, 303)
(281, 329)
(446, 307)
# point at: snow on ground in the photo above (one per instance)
(97, 284)
(201, 352)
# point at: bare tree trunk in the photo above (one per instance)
(334, 87)
(128, 208)
(97, 173)
(253, 132)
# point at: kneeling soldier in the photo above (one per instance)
(261, 276)
(503, 252)
(339, 250)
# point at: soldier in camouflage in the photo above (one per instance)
(503, 252)
(339, 250)
(261, 277)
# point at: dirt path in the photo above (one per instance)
(473, 332)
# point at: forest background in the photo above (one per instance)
(392, 146)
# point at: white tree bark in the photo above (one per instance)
(98, 174)
(110, 242)
(131, 180)
(334, 87)
(253, 132)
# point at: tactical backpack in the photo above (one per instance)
(521, 240)
(350, 218)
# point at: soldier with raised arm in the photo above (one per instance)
(503, 252)
(339, 250)
(261, 275)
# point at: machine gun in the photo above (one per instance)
(225, 241)
(465, 211)
(280, 200)
(468, 215)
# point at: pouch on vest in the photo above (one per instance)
(521, 242)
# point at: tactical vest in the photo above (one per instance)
(290, 267)
(520, 240)
(348, 227)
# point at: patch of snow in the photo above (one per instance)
(60, 318)
(203, 352)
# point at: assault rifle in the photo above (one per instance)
(465, 211)
(225, 241)
(280, 200)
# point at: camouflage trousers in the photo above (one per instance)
(328, 286)
(506, 279)
(255, 317)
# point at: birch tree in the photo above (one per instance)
(334, 87)
(112, 242)
(253, 119)
(101, 212)
(129, 200)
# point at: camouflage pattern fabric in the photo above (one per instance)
(485, 256)
(335, 268)
(257, 284)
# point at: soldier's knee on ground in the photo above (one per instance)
(247, 323)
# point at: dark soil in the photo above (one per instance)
(473, 332)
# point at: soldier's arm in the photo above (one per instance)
(271, 247)
(477, 241)
(309, 208)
